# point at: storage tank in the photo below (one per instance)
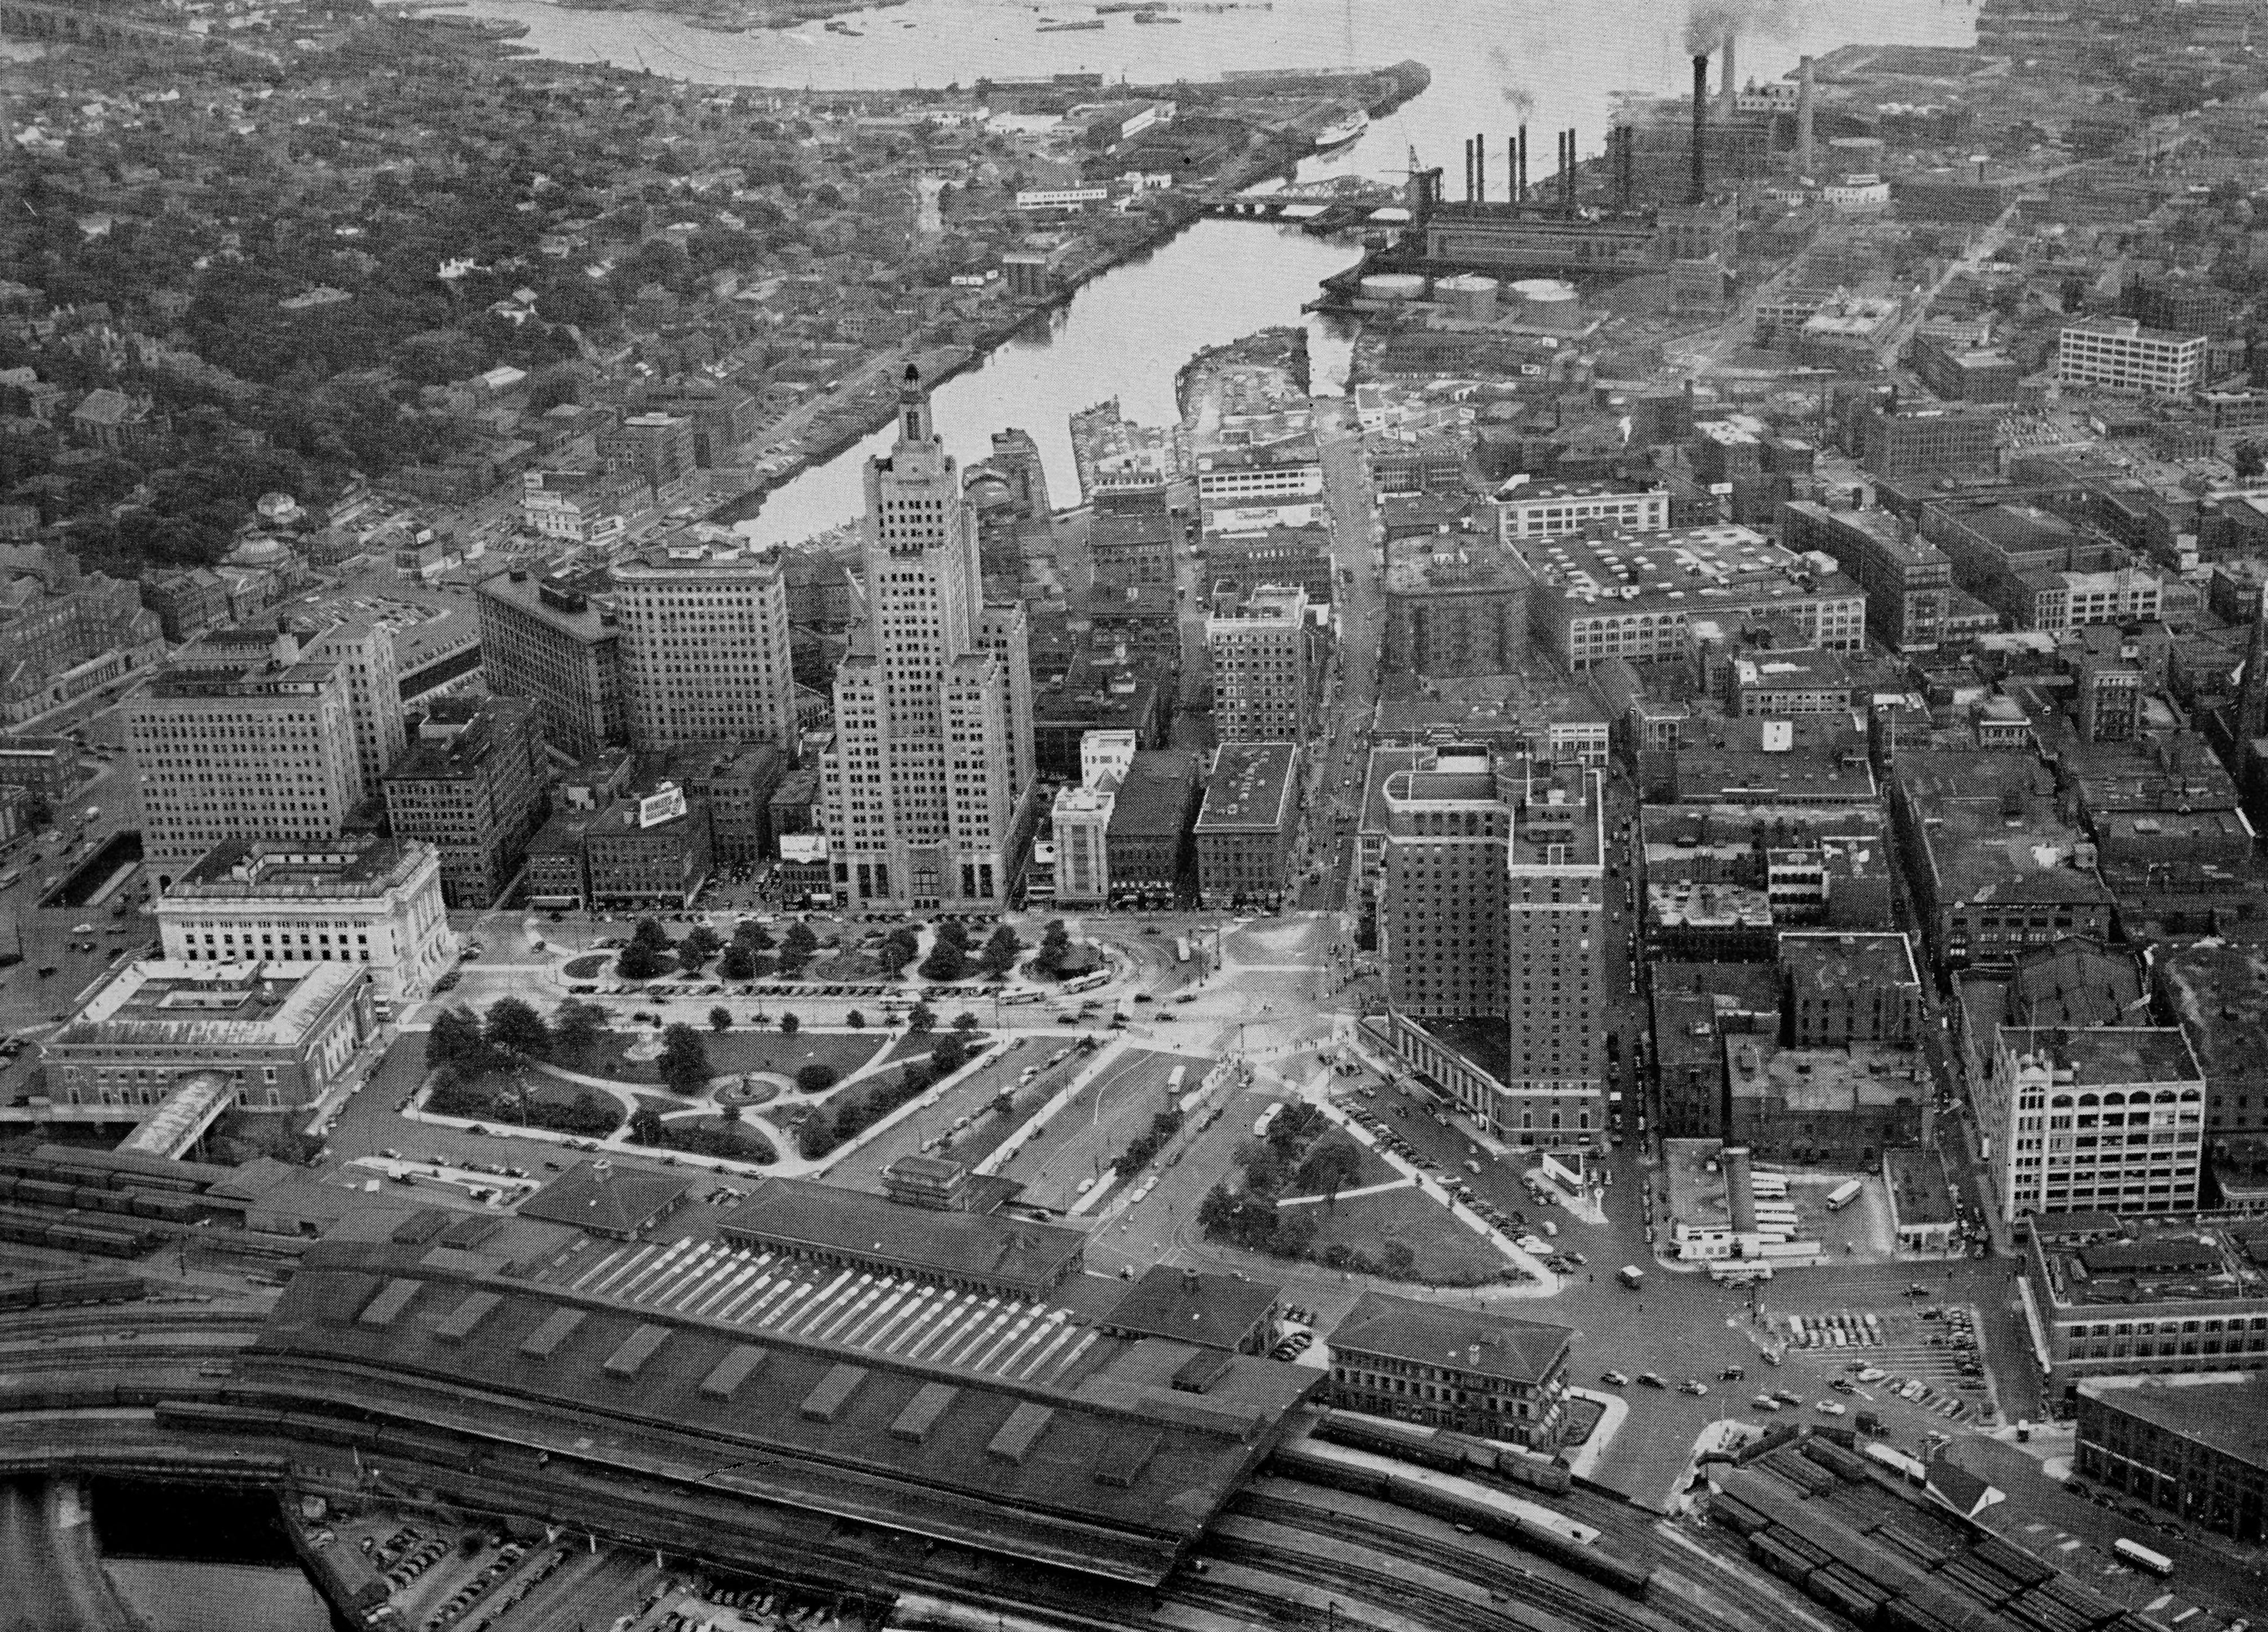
(1739, 1200)
(1547, 303)
(1467, 296)
(1392, 286)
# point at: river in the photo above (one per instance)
(1492, 63)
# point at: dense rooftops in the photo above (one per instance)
(1691, 568)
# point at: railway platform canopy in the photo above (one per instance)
(1035, 1438)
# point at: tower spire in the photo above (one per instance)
(914, 423)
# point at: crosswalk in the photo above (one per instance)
(979, 1333)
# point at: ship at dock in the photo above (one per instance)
(1345, 125)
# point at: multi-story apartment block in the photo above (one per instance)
(1456, 606)
(1534, 510)
(2099, 1119)
(1259, 668)
(358, 899)
(929, 786)
(704, 646)
(262, 748)
(1907, 579)
(1441, 924)
(1633, 595)
(2119, 355)
(559, 643)
(471, 785)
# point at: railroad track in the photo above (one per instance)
(1398, 1593)
(1587, 1606)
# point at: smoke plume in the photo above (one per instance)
(1707, 22)
(1516, 95)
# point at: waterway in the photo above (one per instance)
(1493, 63)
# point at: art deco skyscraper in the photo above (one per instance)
(929, 786)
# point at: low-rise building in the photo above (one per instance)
(2194, 1446)
(1488, 1375)
(1247, 824)
(357, 900)
(1081, 827)
(1634, 595)
(281, 1034)
(2119, 355)
(1532, 510)
(1153, 819)
(2178, 1300)
(1840, 1108)
(1923, 1217)
(648, 851)
(1846, 988)
(1226, 1312)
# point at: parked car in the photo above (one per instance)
(1615, 1380)
(1650, 1380)
(1833, 1407)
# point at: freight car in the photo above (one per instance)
(1459, 1501)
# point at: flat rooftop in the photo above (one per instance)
(1454, 563)
(1834, 962)
(1558, 824)
(1693, 570)
(167, 1003)
(1917, 1187)
(1250, 786)
(253, 868)
(2110, 1056)
(2225, 1411)
(2220, 994)
(1855, 1077)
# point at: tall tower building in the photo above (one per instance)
(1556, 972)
(1443, 923)
(364, 648)
(261, 746)
(928, 788)
(704, 646)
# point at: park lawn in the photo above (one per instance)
(590, 966)
(1374, 1170)
(917, 1045)
(1446, 1252)
(739, 1049)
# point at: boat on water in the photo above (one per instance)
(1154, 17)
(1069, 28)
(1344, 129)
(834, 26)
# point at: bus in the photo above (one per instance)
(1088, 983)
(1175, 1079)
(1844, 1194)
(2141, 1557)
(1180, 948)
(1266, 1120)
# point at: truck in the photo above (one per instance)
(1844, 1195)
(1631, 1276)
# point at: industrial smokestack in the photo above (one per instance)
(1700, 126)
(1521, 195)
(1728, 88)
(1480, 167)
(1469, 172)
(1803, 117)
(1571, 169)
(1512, 170)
